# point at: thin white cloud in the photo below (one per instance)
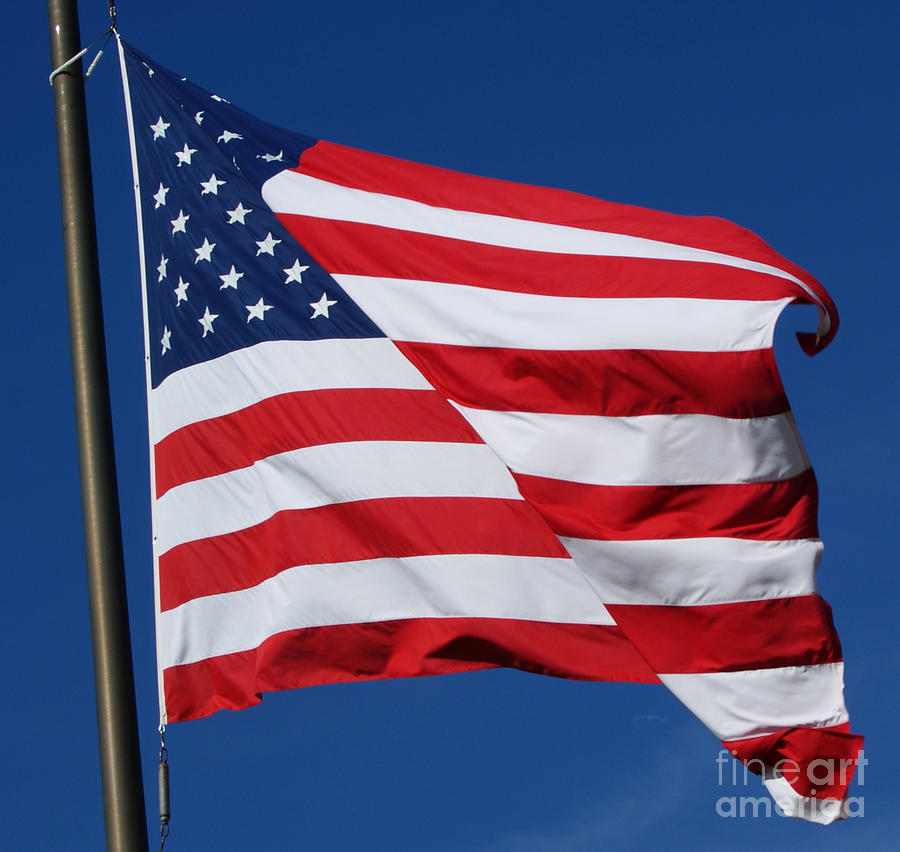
(619, 817)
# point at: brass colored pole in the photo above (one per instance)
(120, 763)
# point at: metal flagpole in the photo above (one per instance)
(120, 762)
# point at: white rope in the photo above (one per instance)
(78, 56)
(68, 62)
(93, 64)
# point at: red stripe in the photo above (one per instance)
(771, 511)
(307, 418)
(409, 648)
(727, 637)
(458, 191)
(613, 382)
(367, 529)
(818, 762)
(455, 190)
(352, 248)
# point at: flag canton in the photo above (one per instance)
(222, 272)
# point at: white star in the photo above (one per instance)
(160, 197)
(320, 308)
(230, 279)
(212, 185)
(294, 272)
(258, 310)
(166, 340)
(271, 158)
(161, 269)
(181, 291)
(267, 245)
(221, 100)
(179, 223)
(159, 129)
(237, 215)
(205, 251)
(227, 136)
(207, 320)
(184, 156)
(198, 116)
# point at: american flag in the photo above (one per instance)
(406, 421)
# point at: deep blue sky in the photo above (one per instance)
(781, 116)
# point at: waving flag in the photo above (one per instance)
(406, 421)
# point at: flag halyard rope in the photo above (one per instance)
(72, 60)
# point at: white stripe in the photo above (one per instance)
(443, 586)
(244, 377)
(650, 449)
(693, 571)
(737, 705)
(321, 475)
(792, 804)
(294, 193)
(456, 314)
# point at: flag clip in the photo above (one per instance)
(164, 809)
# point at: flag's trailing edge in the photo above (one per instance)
(406, 421)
